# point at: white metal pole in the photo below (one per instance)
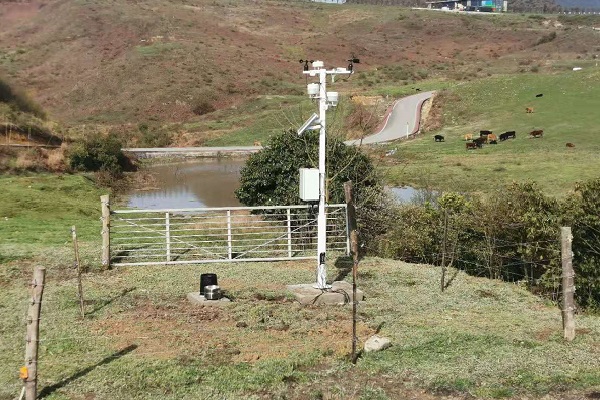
(321, 220)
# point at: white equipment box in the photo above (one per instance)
(309, 184)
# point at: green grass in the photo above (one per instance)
(37, 212)
(142, 340)
(500, 343)
(566, 113)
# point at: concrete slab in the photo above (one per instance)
(198, 299)
(339, 294)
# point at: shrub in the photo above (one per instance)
(100, 153)
(582, 211)
(19, 100)
(271, 177)
(202, 107)
(154, 136)
(546, 38)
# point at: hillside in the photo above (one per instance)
(120, 62)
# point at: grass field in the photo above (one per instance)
(567, 112)
(142, 340)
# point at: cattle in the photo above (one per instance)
(438, 138)
(570, 145)
(539, 95)
(508, 135)
(471, 145)
(492, 138)
(484, 133)
(256, 143)
(537, 133)
(480, 141)
(529, 110)
(493, 142)
(469, 136)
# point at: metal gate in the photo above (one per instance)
(203, 235)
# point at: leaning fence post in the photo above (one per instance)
(353, 234)
(168, 235)
(29, 371)
(105, 202)
(78, 266)
(568, 286)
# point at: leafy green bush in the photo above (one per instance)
(153, 136)
(512, 234)
(271, 177)
(583, 215)
(100, 153)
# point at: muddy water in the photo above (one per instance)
(207, 182)
(211, 182)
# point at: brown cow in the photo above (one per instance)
(570, 145)
(537, 133)
(492, 138)
(469, 136)
(471, 145)
(257, 143)
(529, 110)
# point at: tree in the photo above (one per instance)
(270, 177)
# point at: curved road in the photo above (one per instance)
(403, 120)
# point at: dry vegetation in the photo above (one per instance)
(156, 61)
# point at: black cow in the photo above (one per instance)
(480, 141)
(438, 138)
(508, 135)
(484, 133)
(539, 95)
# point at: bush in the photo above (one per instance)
(19, 100)
(546, 38)
(154, 136)
(202, 107)
(582, 211)
(271, 177)
(100, 153)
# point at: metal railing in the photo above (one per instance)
(203, 235)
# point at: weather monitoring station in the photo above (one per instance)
(318, 91)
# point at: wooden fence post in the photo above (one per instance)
(105, 201)
(351, 217)
(78, 266)
(29, 372)
(568, 283)
(443, 279)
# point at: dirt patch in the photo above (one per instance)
(255, 333)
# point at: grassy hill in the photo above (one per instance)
(122, 62)
(566, 113)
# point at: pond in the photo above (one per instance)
(208, 182)
(211, 182)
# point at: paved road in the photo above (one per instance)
(404, 119)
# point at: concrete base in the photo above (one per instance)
(339, 294)
(198, 299)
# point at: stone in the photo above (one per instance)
(339, 294)
(377, 343)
